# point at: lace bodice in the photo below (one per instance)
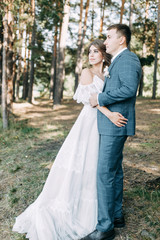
(84, 92)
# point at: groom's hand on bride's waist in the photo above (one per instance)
(93, 100)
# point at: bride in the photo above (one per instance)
(67, 206)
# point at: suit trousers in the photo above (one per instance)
(109, 181)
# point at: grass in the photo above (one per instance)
(26, 151)
(146, 210)
(23, 161)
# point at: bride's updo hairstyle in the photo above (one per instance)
(102, 48)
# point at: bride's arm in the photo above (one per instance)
(115, 117)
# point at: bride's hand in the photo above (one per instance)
(118, 119)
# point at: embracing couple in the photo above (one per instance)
(82, 196)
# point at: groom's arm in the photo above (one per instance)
(129, 75)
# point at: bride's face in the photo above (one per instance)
(95, 56)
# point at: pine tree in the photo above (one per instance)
(30, 91)
(61, 55)
(4, 69)
(78, 61)
(1, 44)
(80, 49)
(144, 48)
(156, 54)
(122, 11)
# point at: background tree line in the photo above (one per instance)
(42, 43)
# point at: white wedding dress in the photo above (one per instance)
(67, 206)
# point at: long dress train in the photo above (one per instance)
(67, 206)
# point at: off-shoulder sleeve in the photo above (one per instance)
(84, 92)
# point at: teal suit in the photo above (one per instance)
(119, 95)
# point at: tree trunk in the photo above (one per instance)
(53, 65)
(122, 11)
(18, 77)
(28, 63)
(4, 70)
(15, 57)
(103, 3)
(30, 92)
(25, 75)
(81, 49)
(52, 75)
(92, 25)
(10, 57)
(144, 52)
(131, 19)
(1, 44)
(59, 6)
(84, 32)
(141, 84)
(78, 67)
(61, 55)
(156, 55)
(144, 49)
(25, 80)
(14, 76)
(19, 67)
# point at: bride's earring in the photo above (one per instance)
(103, 60)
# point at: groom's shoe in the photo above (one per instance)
(119, 222)
(97, 235)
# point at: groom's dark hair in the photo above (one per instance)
(123, 30)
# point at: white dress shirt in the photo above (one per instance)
(118, 54)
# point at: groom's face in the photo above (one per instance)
(112, 42)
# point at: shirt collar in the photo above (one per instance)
(118, 54)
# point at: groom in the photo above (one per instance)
(119, 95)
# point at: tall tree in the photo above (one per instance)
(28, 65)
(30, 92)
(15, 56)
(78, 60)
(61, 55)
(102, 7)
(19, 48)
(156, 54)
(144, 48)
(122, 11)
(92, 17)
(53, 65)
(80, 49)
(131, 19)
(84, 30)
(14, 75)
(25, 73)
(1, 44)
(10, 55)
(4, 69)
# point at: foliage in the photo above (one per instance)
(147, 61)
(70, 60)
(42, 62)
(49, 13)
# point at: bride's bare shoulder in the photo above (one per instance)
(86, 76)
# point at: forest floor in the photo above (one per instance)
(29, 147)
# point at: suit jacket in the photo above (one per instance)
(119, 93)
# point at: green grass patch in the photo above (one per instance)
(145, 195)
(24, 155)
(146, 205)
